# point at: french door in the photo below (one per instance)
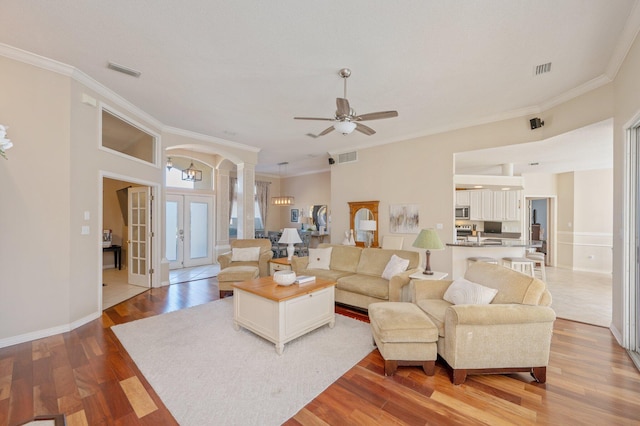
(189, 230)
(139, 236)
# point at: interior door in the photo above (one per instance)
(174, 232)
(139, 236)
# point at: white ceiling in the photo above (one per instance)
(241, 70)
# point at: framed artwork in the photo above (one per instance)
(404, 218)
(294, 215)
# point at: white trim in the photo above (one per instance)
(564, 243)
(206, 138)
(587, 234)
(40, 334)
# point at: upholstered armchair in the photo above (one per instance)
(512, 333)
(262, 263)
(242, 264)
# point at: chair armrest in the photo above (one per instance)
(498, 314)
(263, 262)
(299, 263)
(428, 289)
(397, 284)
(224, 260)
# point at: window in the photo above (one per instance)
(128, 139)
(233, 220)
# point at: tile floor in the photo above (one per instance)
(117, 288)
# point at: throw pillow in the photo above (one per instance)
(248, 254)
(395, 266)
(465, 292)
(319, 258)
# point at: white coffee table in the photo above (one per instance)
(283, 313)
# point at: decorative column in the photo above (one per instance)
(246, 200)
(222, 210)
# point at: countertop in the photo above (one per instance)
(496, 243)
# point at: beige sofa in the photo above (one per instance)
(358, 271)
(511, 334)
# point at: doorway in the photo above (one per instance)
(189, 230)
(126, 267)
(540, 225)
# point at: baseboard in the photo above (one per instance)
(41, 334)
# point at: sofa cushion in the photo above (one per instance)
(330, 274)
(512, 286)
(397, 322)
(464, 292)
(319, 258)
(435, 310)
(343, 258)
(246, 254)
(395, 266)
(367, 285)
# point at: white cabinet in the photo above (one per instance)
(480, 207)
(512, 206)
(506, 205)
(462, 198)
(494, 205)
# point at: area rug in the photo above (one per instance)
(205, 372)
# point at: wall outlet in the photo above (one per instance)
(85, 230)
(439, 226)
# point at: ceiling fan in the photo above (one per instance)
(346, 121)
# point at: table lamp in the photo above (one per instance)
(428, 239)
(369, 226)
(290, 237)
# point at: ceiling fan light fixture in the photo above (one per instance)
(344, 127)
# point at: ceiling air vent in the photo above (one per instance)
(123, 69)
(543, 68)
(348, 157)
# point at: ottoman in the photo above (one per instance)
(235, 274)
(404, 335)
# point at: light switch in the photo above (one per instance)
(85, 230)
(87, 215)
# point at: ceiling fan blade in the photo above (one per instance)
(343, 107)
(327, 130)
(313, 118)
(376, 115)
(364, 129)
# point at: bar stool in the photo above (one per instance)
(520, 264)
(538, 259)
(483, 259)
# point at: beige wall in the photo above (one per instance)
(35, 196)
(627, 108)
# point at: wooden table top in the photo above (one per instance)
(266, 287)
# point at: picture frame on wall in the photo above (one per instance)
(295, 215)
(404, 218)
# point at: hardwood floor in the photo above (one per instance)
(87, 375)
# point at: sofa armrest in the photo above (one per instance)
(263, 262)
(397, 293)
(299, 263)
(428, 289)
(497, 336)
(224, 260)
(498, 314)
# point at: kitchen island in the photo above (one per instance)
(487, 247)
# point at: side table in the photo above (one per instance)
(279, 264)
(436, 276)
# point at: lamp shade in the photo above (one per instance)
(290, 236)
(344, 127)
(367, 225)
(428, 239)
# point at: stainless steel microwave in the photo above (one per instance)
(462, 212)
